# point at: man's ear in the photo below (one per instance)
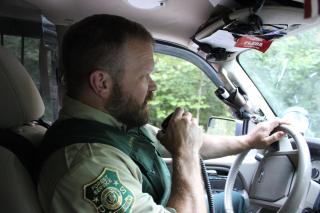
(100, 82)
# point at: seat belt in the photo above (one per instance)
(43, 123)
(25, 151)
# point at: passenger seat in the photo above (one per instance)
(20, 104)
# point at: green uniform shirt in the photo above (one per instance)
(67, 171)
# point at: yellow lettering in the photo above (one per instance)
(100, 188)
(97, 185)
(123, 190)
(130, 141)
(105, 181)
(126, 205)
(101, 209)
(109, 181)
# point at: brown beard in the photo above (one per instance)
(126, 109)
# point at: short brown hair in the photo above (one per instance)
(97, 43)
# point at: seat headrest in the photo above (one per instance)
(20, 100)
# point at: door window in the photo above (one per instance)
(28, 47)
(182, 84)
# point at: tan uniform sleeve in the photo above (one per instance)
(85, 166)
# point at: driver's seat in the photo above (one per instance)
(20, 104)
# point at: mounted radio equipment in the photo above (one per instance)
(215, 52)
(212, 55)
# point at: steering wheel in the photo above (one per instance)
(301, 180)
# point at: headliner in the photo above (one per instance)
(176, 22)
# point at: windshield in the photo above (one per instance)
(287, 75)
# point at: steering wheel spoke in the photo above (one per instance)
(293, 156)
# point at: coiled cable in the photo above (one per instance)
(207, 185)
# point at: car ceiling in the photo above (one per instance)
(177, 21)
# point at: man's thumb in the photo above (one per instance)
(160, 135)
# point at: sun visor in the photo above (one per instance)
(224, 31)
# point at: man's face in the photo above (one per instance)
(128, 101)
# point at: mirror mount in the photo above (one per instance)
(298, 117)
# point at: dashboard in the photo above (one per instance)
(315, 163)
(314, 148)
(312, 199)
(218, 170)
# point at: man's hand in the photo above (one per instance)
(260, 138)
(183, 135)
(183, 138)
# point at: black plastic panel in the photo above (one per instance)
(218, 182)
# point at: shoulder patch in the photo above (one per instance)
(108, 194)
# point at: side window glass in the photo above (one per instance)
(38, 59)
(26, 50)
(13, 44)
(182, 84)
(31, 59)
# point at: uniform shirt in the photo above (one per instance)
(68, 170)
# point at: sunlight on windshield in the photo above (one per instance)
(287, 75)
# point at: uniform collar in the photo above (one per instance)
(76, 109)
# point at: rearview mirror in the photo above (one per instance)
(224, 126)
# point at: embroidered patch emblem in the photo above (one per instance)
(108, 194)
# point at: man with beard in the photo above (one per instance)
(101, 155)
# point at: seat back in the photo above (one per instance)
(21, 103)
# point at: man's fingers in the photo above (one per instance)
(277, 121)
(194, 120)
(178, 112)
(260, 136)
(188, 115)
(274, 137)
(160, 135)
(285, 122)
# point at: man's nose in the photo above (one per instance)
(152, 85)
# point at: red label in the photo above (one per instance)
(254, 43)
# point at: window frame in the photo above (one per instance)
(179, 51)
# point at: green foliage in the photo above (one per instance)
(31, 59)
(299, 84)
(178, 83)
